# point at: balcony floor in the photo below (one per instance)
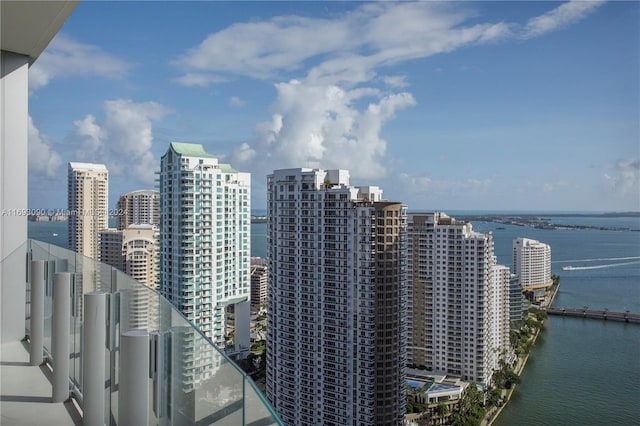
(25, 391)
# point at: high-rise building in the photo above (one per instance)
(518, 305)
(532, 264)
(458, 299)
(205, 241)
(110, 248)
(336, 301)
(258, 284)
(138, 208)
(138, 217)
(88, 198)
(140, 253)
(500, 309)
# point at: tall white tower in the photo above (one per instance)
(458, 299)
(88, 198)
(336, 301)
(205, 241)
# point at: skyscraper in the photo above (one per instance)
(500, 309)
(336, 334)
(138, 220)
(458, 298)
(140, 253)
(138, 207)
(532, 264)
(88, 198)
(258, 284)
(205, 240)
(110, 248)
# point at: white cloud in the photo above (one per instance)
(200, 79)
(319, 126)
(123, 141)
(235, 101)
(92, 136)
(43, 160)
(348, 48)
(244, 153)
(624, 177)
(427, 186)
(395, 80)
(65, 57)
(560, 17)
(257, 49)
(332, 113)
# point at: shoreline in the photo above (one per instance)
(491, 416)
(518, 370)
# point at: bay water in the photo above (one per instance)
(581, 371)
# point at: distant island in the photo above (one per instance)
(543, 221)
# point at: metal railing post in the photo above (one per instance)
(36, 337)
(133, 389)
(94, 335)
(61, 323)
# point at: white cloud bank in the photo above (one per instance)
(332, 113)
(43, 160)
(624, 177)
(562, 16)
(425, 184)
(65, 57)
(346, 48)
(123, 141)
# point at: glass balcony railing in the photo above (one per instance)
(181, 377)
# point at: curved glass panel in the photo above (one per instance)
(189, 380)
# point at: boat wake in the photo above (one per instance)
(597, 260)
(609, 265)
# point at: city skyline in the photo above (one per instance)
(448, 106)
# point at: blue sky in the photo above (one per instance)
(445, 105)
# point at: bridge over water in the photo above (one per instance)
(595, 314)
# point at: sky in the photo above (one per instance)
(444, 105)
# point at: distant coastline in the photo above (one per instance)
(543, 220)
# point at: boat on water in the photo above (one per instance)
(568, 268)
(55, 235)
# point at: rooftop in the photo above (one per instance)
(87, 166)
(190, 150)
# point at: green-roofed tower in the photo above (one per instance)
(205, 241)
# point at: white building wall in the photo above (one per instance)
(13, 186)
(27, 29)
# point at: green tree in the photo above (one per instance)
(494, 397)
(471, 408)
(442, 409)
